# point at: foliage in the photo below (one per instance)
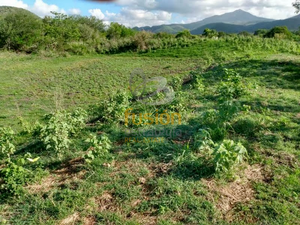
(7, 148)
(14, 176)
(112, 110)
(210, 33)
(232, 86)
(55, 134)
(261, 32)
(278, 32)
(184, 34)
(20, 32)
(228, 155)
(98, 148)
(297, 6)
(116, 31)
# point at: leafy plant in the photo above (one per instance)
(231, 87)
(228, 155)
(14, 176)
(98, 147)
(59, 127)
(112, 110)
(7, 148)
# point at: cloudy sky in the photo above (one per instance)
(154, 12)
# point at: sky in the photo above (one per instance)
(156, 12)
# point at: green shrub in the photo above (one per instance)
(98, 148)
(7, 148)
(231, 86)
(184, 34)
(59, 127)
(279, 32)
(228, 155)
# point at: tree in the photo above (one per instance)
(297, 5)
(184, 33)
(278, 32)
(210, 33)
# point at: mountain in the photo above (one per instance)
(6, 10)
(238, 17)
(292, 24)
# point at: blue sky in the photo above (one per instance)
(155, 12)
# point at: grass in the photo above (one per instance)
(169, 182)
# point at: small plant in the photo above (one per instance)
(55, 134)
(176, 83)
(228, 155)
(112, 110)
(231, 87)
(59, 127)
(7, 148)
(14, 176)
(77, 120)
(97, 147)
(197, 80)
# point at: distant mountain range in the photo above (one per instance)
(233, 22)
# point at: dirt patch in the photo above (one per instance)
(66, 175)
(72, 219)
(106, 202)
(225, 197)
(89, 220)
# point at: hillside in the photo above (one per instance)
(6, 10)
(238, 17)
(292, 24)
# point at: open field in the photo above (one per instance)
(174, 180)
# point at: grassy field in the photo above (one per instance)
(173, 181)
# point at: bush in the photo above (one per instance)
(55, 135)
(184, 33)
(228, 155)
(98, 147)
(279, 32)
(21, 32)
(210, 33)
(7, 148)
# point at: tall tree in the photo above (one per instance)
(297, 5)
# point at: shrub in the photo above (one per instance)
(7, 148)
(112, 110)
(228, 155)
(184, 33)
(21, 32)
(98, 147)
(231, 86)
(260, 32)
(210, 33)
(59, 127)
(281, 32)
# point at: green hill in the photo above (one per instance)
(291, 23)
(238, 17)
(6, 10)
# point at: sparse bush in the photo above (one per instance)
(59, 127)
(7, 148)
(231, 87)
(97, 147)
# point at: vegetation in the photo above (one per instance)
(70, 154)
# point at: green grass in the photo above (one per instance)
(159, 183)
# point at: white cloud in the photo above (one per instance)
(138, 17)
(43, 9)
(74, 11)
(195, 10)
(15, 3)
(97, 13)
